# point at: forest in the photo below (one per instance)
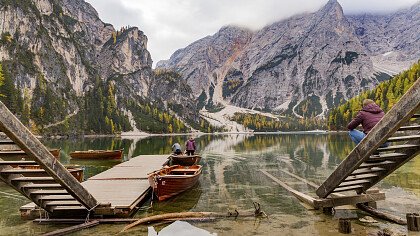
(386, 94)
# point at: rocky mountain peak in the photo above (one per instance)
(331, 10)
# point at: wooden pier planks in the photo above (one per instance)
(123, 186)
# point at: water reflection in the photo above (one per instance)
(232, 179)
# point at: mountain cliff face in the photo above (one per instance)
(303, 65)
(392, 40)
(65, 58)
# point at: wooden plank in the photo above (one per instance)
(6, 142)
(410, 127)
(22, 163)
(349, 200)
(398, 147)
(73, 229)
(362, 176)
(300, 178)
(62, 203)
(19, 134)
(126, 183)
(403, 138)
(57, 198)
(68, 208)
(42, 186)
(301, 196)
(22, 171)
(387, 156)
(367, 171)
(399, 114)
(349, 188)
(79, 221)
(356, 182)
(50, 192)
(33, 179)
(376, 164)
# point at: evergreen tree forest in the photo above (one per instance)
(262, 123)
(386, 94)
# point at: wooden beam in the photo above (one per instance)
(73, 229)
(399, 114)
(301, 196)
(380, 214)
(19, 134)
(348, 200)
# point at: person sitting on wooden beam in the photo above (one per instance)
(368, 117)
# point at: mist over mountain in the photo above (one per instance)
(303, 65)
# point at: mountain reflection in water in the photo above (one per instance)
(232, 179)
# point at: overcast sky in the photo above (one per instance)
(174, 24)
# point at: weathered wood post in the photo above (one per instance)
(344, 226)
(413, 222)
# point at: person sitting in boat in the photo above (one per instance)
(369, 116)
(176, 148)
(190, 146)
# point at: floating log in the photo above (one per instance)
(344, 226)
(73, 229)
(80, 221)
(381, 215)
(413, 222)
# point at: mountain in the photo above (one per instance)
(392, 40)
(303, 65)
(71, 71)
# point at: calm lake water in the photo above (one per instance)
(232, 180)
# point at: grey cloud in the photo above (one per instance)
(171, 25)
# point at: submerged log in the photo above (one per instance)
(185, 215)
(381, 215)
(73, 228)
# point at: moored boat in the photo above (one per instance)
(184, 160)
(170, 181)
(98, 154)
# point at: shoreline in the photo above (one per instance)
(144, 134)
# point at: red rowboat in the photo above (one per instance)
(97, 154)
(170, 181)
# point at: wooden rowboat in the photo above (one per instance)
(184, 160)
(170, 181)
(98, 154)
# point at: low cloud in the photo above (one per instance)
(170, 25)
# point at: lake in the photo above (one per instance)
(232, 180)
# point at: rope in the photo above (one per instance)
(88, 213)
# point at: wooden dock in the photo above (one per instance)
(122, 188)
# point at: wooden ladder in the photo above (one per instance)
(370, 161)
(50, 185)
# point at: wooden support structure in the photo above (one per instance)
(334, 201)
(413, 222)
(301, 196)
(354, 165)
(344, 226)
(20, 135)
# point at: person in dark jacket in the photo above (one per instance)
(190, 146)
(368, 117)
